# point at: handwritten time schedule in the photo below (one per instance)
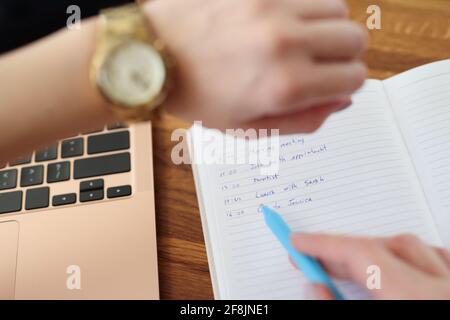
(356, 175)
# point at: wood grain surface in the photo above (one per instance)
(414, 32)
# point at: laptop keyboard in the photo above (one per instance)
(88, 157)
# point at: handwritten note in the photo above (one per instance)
(354, 176)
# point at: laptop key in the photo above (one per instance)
(94, 130)
(10, 201)
(50, 153)
(31, 176)
(101, 166)
(22, 160)
(117, 125)
(91, 185)
(37, 198)
(59, 171)
(92, 195)
(108, 142)
(64, 199)
(116, 192)
(72, 148)
(8, 179)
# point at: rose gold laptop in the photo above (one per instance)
(77, 220)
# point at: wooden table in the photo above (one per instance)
(414, 32)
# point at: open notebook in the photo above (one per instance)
(379, 168)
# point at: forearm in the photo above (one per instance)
(46, 93)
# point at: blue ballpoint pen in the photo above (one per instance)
(310, 267)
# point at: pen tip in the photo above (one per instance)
(265, 209)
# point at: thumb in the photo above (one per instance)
(321, 292)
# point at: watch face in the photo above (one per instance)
(133, 74)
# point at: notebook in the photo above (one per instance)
(379, 168)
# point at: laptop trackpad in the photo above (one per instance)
(9, 238)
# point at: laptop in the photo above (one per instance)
(77, 219)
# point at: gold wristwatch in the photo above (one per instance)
(130, 66)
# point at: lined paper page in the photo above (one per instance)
(353, 176)
(421, 100)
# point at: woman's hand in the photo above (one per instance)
(409, 268)
(283, 64)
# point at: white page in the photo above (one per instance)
(359, 180)
(421, 101)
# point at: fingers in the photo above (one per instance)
(304, 121)
(310, 60)
(294, 87)
(334, 39)
(414, 251)
(334, 70)
(295, 90)
(318, 9)
(336, 78)
(348, 256)
(331, 250)
(399, 277)
(445, 255)
(334, 270)
(321, 292)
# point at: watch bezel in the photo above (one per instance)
(121, 34)
(103, 78)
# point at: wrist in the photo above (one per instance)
(157, 16)
(99, 107)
